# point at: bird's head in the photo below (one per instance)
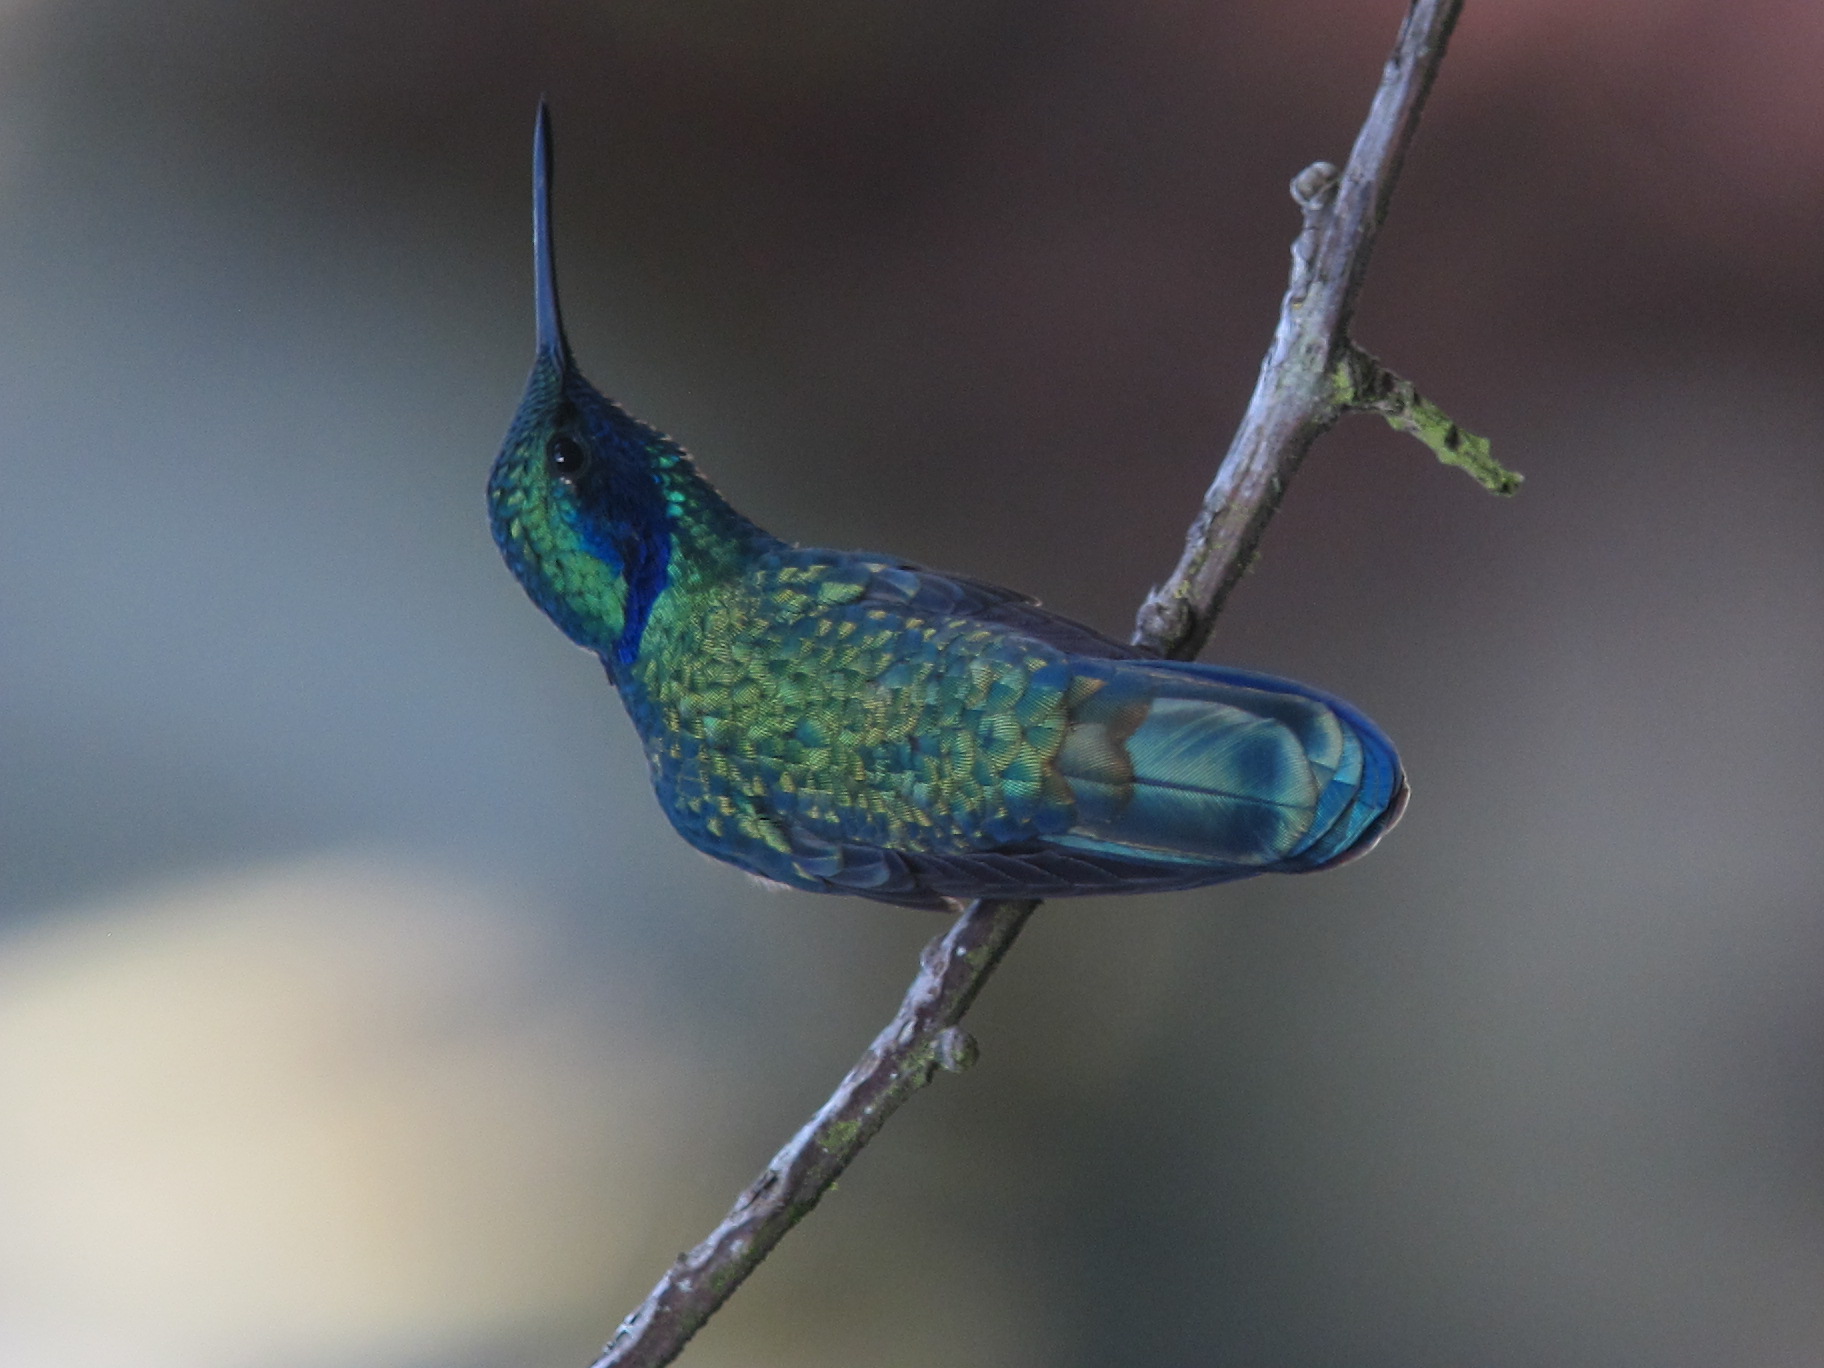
(578, 498)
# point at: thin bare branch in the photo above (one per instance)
(1296, 399)
(921, 1039)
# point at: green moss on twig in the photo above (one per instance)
(1358, 381)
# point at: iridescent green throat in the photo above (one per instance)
(601, 517)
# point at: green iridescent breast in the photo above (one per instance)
(787, 698)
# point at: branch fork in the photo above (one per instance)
(1358, 381)
(1362, 383)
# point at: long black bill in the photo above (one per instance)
(551, 339)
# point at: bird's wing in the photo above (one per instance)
(933, 880)
(1031, 869)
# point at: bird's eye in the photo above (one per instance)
(565, 454)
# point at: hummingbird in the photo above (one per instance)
(843, 722)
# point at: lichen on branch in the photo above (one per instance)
(1360, 382)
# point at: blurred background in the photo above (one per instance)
(357, 1008)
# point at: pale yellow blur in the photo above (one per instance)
(335, 1112)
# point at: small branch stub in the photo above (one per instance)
(956, 1050)
(1315, 187)
(1363, 383)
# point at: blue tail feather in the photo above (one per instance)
(1210, 773)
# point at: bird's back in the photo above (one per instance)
(851, 723)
